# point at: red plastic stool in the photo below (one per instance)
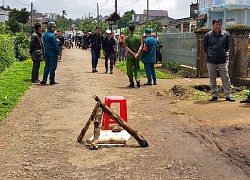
(123, 110)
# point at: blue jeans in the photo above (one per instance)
(95, 55)
(122, 54)
(150, 71)
(50, 68)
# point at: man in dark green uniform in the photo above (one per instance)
(132, 44)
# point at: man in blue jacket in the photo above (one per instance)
(149, 57)
(51, 54)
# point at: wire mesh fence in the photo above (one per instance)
(239, 56)
(180, 47)
(185, 47)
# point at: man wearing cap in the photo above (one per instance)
(95, 43)
(108, 47)
(132, 44)
(149, 56)
(51, 54)
(36, 52)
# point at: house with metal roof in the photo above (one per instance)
(231, 11)
(152, 15)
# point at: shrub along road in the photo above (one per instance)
(38, 138)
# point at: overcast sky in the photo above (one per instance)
(80, 8)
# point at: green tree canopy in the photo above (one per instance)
(154, 25)
(21, 16)
(63, 24)
(127, 16)
(14, 25)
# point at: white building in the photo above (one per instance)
(4, 16)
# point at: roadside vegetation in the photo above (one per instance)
(160, 75)
(15, 81)
(15, 65)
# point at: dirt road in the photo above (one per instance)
(38, 138)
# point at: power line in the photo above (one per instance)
(131, 3)
(19, 2)
(35, 9)
(158, 4)
(104, 4)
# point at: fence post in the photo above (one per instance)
(201, 64)
(238, 56)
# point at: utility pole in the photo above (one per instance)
(97, 15)
(147, 10)
(31, 14)
(197, 15)
(116, 6)
(3, 4)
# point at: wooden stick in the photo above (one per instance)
(108, 141)
(97, 128)
(86, 127)
(140, 139)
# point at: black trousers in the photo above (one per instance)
(35, 70)
(110, 56)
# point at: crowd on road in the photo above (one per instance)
(132, 48)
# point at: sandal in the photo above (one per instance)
(245, 101)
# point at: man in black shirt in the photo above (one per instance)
(36, 52)
(60, 40)
(216, 46)
(108, 47)
(95, 43)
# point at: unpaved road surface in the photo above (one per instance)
(38, 138)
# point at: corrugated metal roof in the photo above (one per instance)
(156, 13)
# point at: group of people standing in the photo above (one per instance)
(49, 47)
(46, 47)
(113, 48)
(134, 49)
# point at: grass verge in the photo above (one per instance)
(160, 75)
(15, 81)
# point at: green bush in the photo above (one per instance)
(4, 29)
(7, 53)
(172, 66)
(160, 75)
(21, 46)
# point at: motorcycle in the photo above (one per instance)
(68, 43)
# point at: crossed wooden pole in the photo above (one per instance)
(96, 117)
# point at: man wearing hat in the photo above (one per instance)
(108, 46)
(132, 44)
(149, 56)
(51, 54)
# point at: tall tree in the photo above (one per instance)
(63, 23)
(21, 16)
(127, 16)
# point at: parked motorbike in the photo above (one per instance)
(68, 43)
